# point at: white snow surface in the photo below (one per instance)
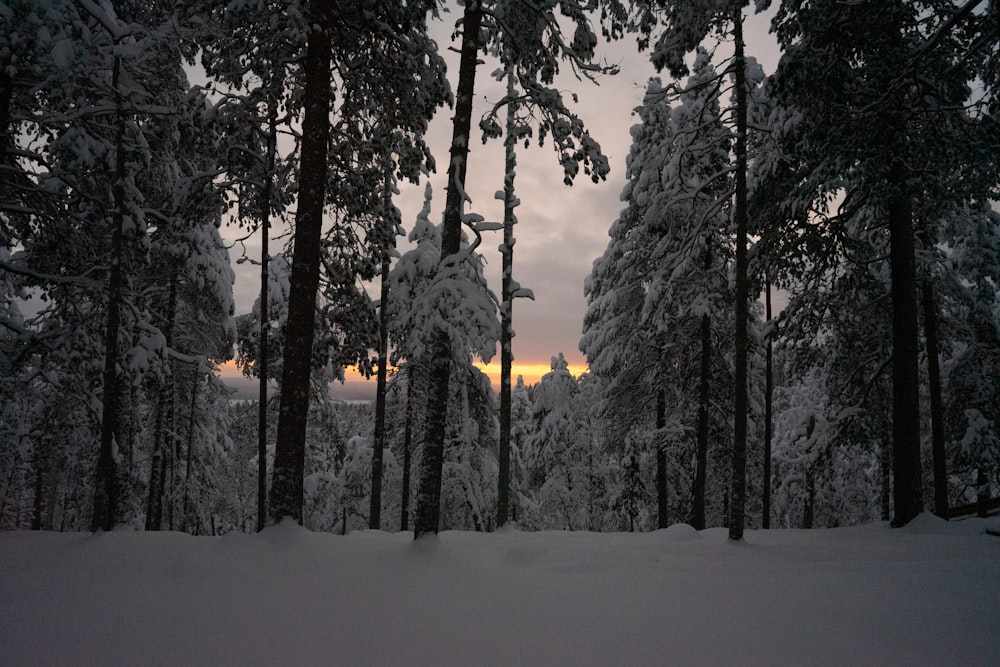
(926, 594)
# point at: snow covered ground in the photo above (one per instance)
(928, 594)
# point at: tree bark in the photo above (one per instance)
(432, 461)
(105, 487)
(737, 506)
(404, 502)
(885, 477)
(289, 461)
(908, 498)
(506, 309)
(265, 324)
(907, 491)
(375, 508)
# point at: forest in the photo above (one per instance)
(857, 185)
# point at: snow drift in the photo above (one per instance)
(927, 594)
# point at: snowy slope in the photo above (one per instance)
(928, 594)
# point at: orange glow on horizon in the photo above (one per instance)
(531, 372)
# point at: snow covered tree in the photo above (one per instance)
(892, 98)
(663, 280)
(676, 29)
(97, 117)
(376, 53)
(563, 459)
(530, 42)
(970, 319)
(252, 67)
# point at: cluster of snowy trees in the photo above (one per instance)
(858, 179)
(864, 171)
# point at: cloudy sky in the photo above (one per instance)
(561, 230)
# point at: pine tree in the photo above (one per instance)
(857, 117)
(372, 44)
(679, 28)
(537, 59)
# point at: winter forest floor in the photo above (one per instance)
(927, 594)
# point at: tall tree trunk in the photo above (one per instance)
(662, 520)
(265, 324)
(507, 307)
(808, 506)
(375, 508)
(907, 491)
(737, 507)
(937, 405)
(105, 487)
(908, 498)
(885, 493)
(154, 497)
(765, 519)
(289, 460)
(432, 461)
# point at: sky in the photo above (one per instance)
(561, 230)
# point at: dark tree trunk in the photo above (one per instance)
(885, 495)
(105, 487)
(907, 478)
(765, 519)
(737, 506)
(937, 405)
(908, 499)
(432, 461)
(289, 460)
(404, 502)
(662, 520)
(265, 324)
(808, 506)
(506, 309)
(154, 498)
(375, 508)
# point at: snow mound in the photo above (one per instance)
(680, 532)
